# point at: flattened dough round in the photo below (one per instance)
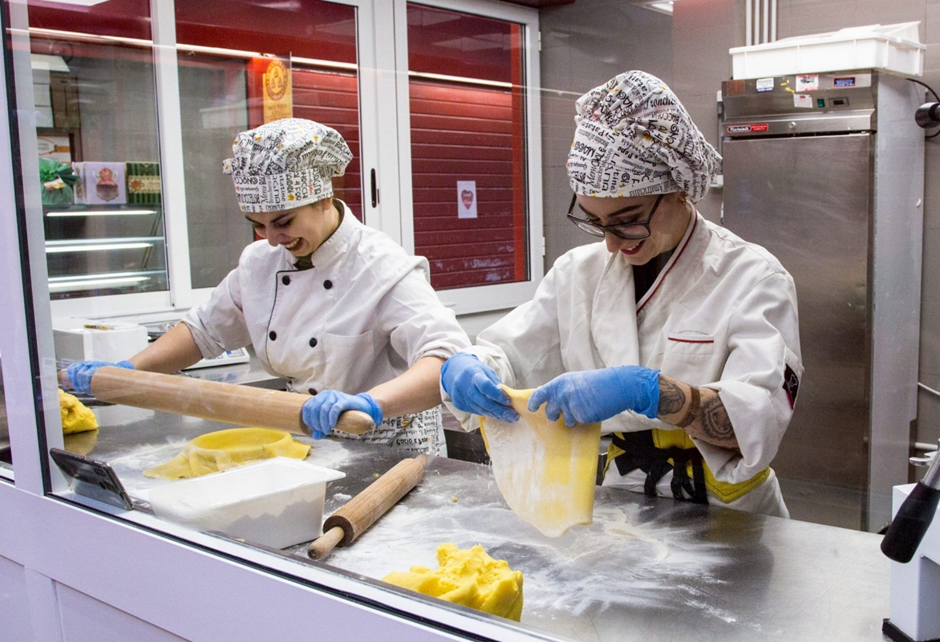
(224, 449)
(545, 471)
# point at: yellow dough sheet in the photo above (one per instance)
(468, 577)
(545, 471)
(225, 449)
(76, 417)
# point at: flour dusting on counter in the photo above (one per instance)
(572, 572)
(130, 467)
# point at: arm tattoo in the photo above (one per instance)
(671, 398)
(716, 425)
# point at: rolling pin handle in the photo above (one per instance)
(354, 422)
(344, 526)
(323, 545)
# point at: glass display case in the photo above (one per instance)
(99, 155)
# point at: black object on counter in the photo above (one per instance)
(914, 516)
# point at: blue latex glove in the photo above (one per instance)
(474, 387)
(322, 411)
(81, 372)
(595, 395)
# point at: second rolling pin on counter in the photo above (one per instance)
(344, 526)
(234, 404)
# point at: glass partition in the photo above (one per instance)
(160, 95)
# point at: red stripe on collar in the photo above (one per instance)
(675, 259)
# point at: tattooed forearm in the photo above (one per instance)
(707, 420)
(714, 425)
(671, 397)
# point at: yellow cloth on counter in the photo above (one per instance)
(76, 417)
(468, 577)
(225, 449)
(545, 471)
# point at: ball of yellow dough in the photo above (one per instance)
(468, 577)
(75, 416)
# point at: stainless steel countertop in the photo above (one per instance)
(646, 569)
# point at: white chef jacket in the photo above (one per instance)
(363, 315)
(721, 314)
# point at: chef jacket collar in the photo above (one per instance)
(333, 246)
(677, 252)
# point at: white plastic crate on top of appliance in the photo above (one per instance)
(894, 48)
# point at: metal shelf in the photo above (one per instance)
(105, 249)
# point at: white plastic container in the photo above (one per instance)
(276, 502)
(895, 48)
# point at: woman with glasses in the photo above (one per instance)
(679, 336)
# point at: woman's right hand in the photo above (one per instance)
(81, 372)
(474, 387)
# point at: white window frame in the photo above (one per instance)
(483, 298)
(181, 295)
(381, 53)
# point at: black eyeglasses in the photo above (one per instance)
(629, 231)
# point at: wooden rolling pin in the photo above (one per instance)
(344, 526)
(234, 404)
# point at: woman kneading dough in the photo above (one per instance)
(336, 308)
(679, 336)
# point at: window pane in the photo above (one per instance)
(95, 100)
(226, 64)
(468, 147)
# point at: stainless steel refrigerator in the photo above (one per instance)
(826, 171)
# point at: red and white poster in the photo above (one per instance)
(466, 199)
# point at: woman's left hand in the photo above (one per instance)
(321, 412)
(590, 396)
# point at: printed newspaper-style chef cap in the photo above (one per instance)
(634, 138)
(285, 164)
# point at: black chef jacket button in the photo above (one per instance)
(327, 284)
(312, 391)
(285, 280)
(272, 335)
(313, 342)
